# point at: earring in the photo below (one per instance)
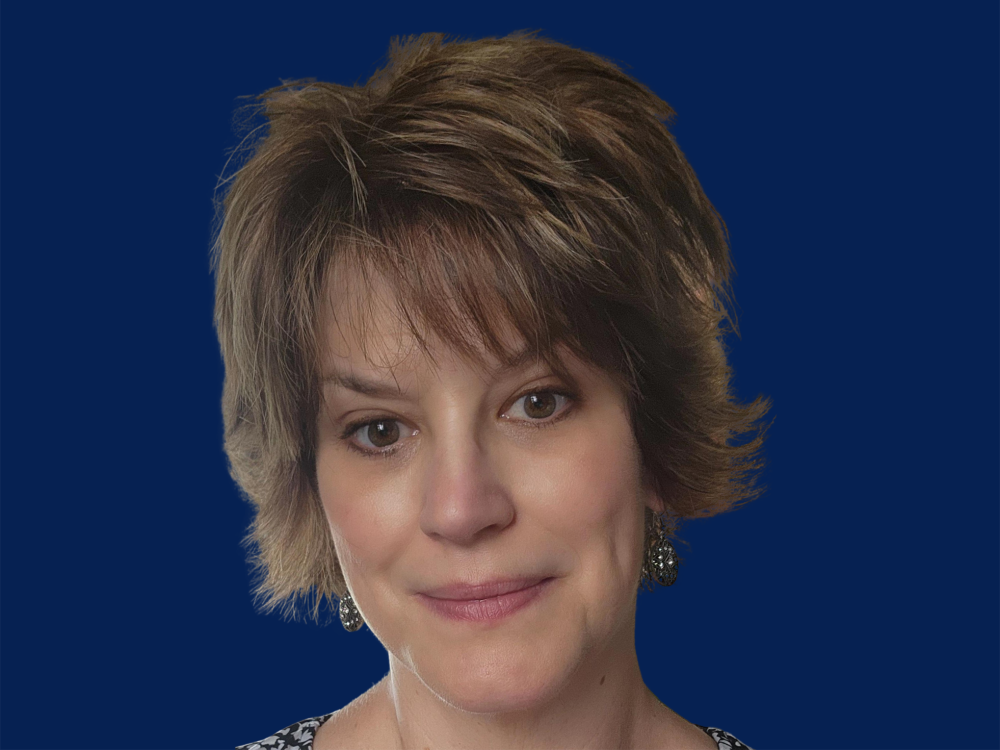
(660, 560)
(350, 618)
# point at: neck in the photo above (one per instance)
(603, 702)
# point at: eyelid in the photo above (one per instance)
(572, 403)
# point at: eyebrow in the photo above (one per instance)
(392, 391)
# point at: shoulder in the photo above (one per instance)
(724, 740)
(293, 737)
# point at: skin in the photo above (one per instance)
(474, 493)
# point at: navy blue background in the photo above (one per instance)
(852, 149)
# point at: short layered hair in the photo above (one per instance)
(511, 181)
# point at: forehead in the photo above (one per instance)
(362, 325)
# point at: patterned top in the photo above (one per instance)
(299, 736)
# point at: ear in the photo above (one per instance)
(655, 502)
(651, 497)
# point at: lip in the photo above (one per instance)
(508, 597)
(485, 590)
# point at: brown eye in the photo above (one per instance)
(540, 405)
(383, 436)
(378, 437)
(382, 433)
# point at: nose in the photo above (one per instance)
(464, 497)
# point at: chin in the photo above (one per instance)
(490, 698)
(492, 684)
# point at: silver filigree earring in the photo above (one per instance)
(660, 560)
(350, 618)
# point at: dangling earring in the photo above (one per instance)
(350, 618)
(660, 560)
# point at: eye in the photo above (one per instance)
(383, 432)
(540, 405)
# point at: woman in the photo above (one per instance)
(414, 278)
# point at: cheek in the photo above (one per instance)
(595, 497)
(601, 482)
(364, 519)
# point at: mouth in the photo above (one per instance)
(485, 602)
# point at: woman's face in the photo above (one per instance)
(468, 489)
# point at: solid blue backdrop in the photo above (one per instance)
(852, 150)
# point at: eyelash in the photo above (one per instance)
(572, 401)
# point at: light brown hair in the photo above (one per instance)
(513, 181)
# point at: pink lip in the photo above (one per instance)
(485, 590)
(507, 597)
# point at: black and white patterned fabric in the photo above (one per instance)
(299, 736)
(724, 740)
